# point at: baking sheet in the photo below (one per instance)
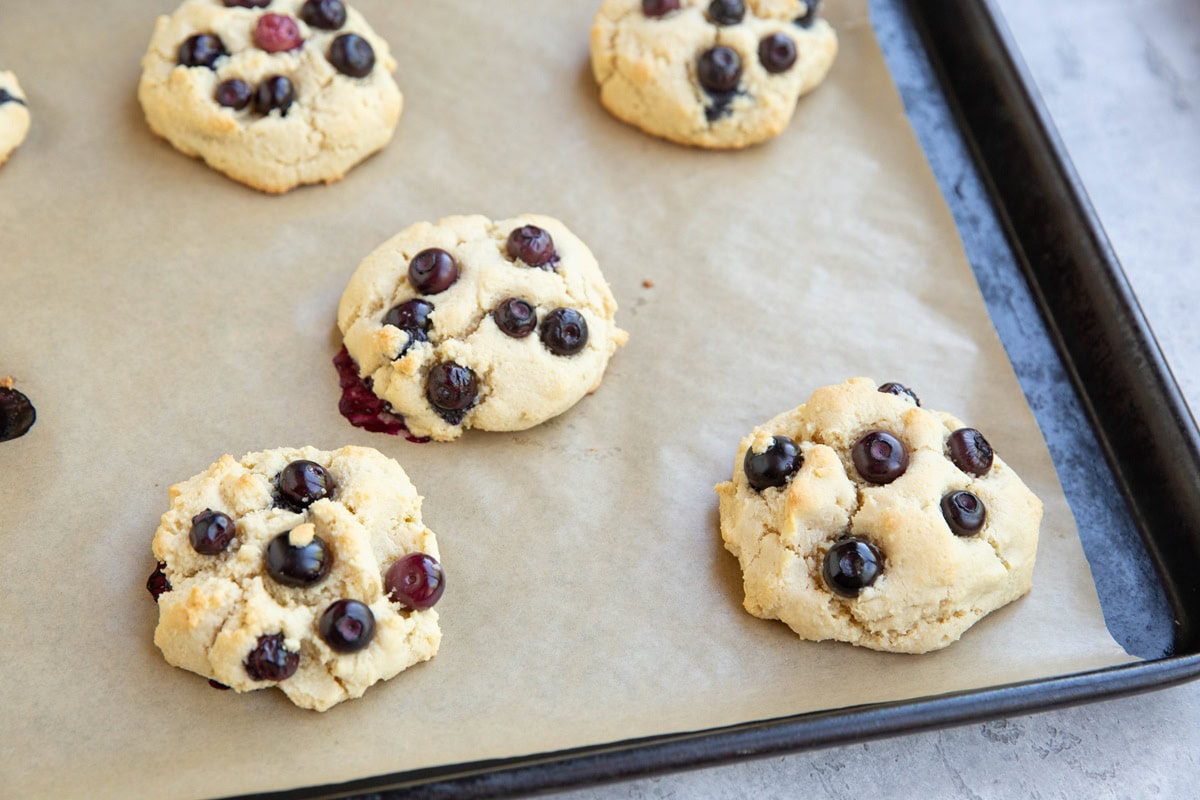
(160, 315)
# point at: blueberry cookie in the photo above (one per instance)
(712, 73)
(864, 518)
(469, 323)
(14, 115)
(273, 93)
(306, 570)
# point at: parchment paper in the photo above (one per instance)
(160, 315)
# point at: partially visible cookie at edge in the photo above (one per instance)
(719, 74)
(14, 115)
(861, 517)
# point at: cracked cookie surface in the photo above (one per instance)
(718, 74)
(14, 115)
(293, 568)
(862, 517)
(272, 93)
(470, 323)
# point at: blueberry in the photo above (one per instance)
(302, 483)
(158, 583)
(352, 55)
(347, 626)
(534, 246)
(726, 12)
(234, 93)
(277, 33)
(211, 532)
(811, 11)
(659, 8)
(777, 53)
(900, 390)
(201, 50)
(719, 69)
(851, 565)
(774, 466)
(411, 317)
(964, 513)
(328, 15)
(17, 414)
(270, 660)
(298, 566)
(6, 97)
(247, 3)
(880, 457)
(276, 92)
(564, 332)
(451, 389)
(218, 685)
(432, 271)
(515, 317)
(969, 451)
(415, 581)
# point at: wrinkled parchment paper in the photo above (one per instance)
(160, 315)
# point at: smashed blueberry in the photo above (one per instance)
(726, 12)
(270, 660)
(352, 55)
(969, 451)
(298, 566)
(328, 15)
(451, 389)
(201, 50)
(275, 92)
(811, 11)
(302, 483)
(851, 565)
(774, 466)
(964, 513)
(6, 97)
(777, 53)
(234, 93)
(362, 407)
(432, 271)
(158, 583)
(880, 457)
(211, 532)
(218, 685)
(564, 332)
(347, 626)
(900, 390)
(277, 33)
(534, 246)
(415, 581)
(719, 69)
(515, 317)
(17, 414)
(659, 8)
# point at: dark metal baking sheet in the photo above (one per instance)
(1125, 445)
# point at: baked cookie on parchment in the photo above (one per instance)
(14, 115)
(718, 74)
(862, 517)
(273, 93)
(470, 323)
(305, 570)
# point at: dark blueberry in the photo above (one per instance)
(564, 332)
(302, 483)
(415, 581)
(658, 8)
(811, 11)
(851, 565)
(969, 451)
(411, 315)
(719, 69)
(275, 92)
(515, 317)
(5, 97)
(211, 532)
(721, 106)
(234, 94)
(277, 33)
(201, 50)
(777, 53)
(347, 626)
(158, 583)
(352, 55)
(964, 513)
(17, 414)
(774, 466)
(218, 685)
(247, 3)
(270, 660)
(726, 12)
(298, 566)
(900, 390)
(452, 389)
(328, 15)
(432, 271)
(532, 245)
(880, 457)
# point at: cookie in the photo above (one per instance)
(273, 93)
(14, 115)
(862, 517)
(720, 74)
(305, 570)
(469, 323)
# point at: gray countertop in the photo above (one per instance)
(1122, 81)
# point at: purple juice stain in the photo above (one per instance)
(362, 407)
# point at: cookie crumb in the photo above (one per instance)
(647, 284)
(6, 382)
